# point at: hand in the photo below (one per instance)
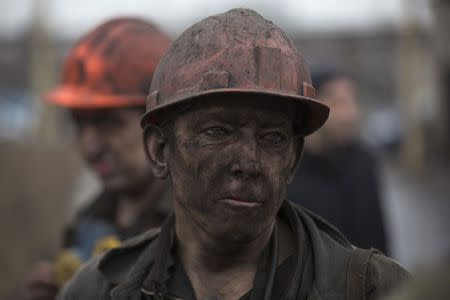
(41, 283)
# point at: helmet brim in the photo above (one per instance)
(311, 114)
(77, 98)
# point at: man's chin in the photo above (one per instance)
(114, 185)
(237, 234)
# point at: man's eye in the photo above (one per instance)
(274, 137)
(109, 123)
(216, 131)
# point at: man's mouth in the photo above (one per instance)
(239, 202)
(103, 169)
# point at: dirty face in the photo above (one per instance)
(230, 163)
(110, 142)
(340, 94)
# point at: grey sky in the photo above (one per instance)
(72, 17)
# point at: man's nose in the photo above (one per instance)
(247, 162)
(90, 140)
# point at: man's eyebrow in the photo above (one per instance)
(226, 116)
(276, 123)
(217, 115)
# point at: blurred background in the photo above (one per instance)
(397, 50)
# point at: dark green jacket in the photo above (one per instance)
(330, 267)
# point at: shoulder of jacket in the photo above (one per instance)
(324, 228)
(117, 263)
(140, 239)
(97, 275)
(383, 274)
(87, 283)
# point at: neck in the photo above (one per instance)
(151, 189)
(229, 268)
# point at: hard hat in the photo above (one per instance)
(237, 53)
(111, 66)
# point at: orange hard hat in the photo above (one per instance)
(238, 54)
(111, 66)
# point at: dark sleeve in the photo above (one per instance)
(87, 283)
(69, 238)
(383, 275)
(369, 215)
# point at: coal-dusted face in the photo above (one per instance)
(230, 163)
(110, 142)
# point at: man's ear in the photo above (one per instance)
(297, 158)
(155, 143)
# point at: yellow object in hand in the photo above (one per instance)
(66, 264)
(106, 243)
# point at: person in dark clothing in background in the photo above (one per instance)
(338, 179)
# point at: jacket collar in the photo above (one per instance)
(128, 266)
(125, 266)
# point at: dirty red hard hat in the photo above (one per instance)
(112, 66)
(236, 53)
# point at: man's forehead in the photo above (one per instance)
(242, 113)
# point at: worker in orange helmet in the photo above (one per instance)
(104, 84)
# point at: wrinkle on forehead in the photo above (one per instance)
(263, 114)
